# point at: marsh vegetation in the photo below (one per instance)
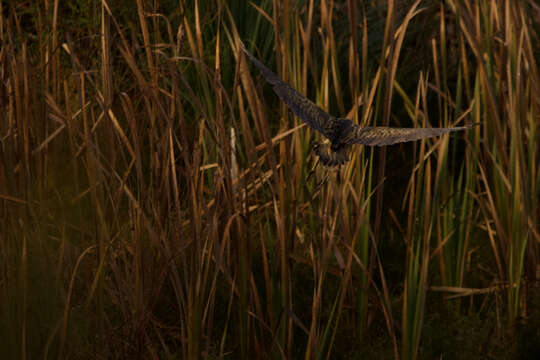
(158, 201)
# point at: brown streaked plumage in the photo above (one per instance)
(340, 131)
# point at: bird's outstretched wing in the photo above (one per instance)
(302, 107)
(381, 135)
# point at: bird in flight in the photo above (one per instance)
(341, 132)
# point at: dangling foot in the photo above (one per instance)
(312, 171)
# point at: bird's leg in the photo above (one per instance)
(319, 184)
(312, 171)
(317, 187)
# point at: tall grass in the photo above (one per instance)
(157, 200)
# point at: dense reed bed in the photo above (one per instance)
(158, 201)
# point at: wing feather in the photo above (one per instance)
(302, 107)
(381, 135)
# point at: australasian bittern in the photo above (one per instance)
(341, 132)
